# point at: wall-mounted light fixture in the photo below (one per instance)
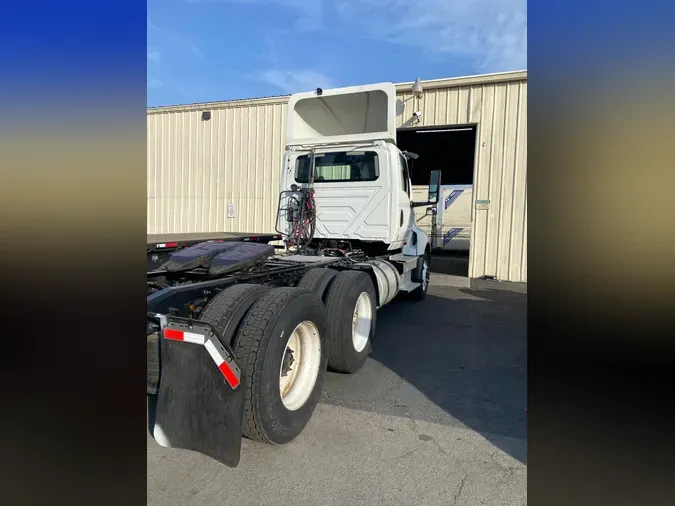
(206, 115)
(417, 88)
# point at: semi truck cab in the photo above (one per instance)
(361, 180)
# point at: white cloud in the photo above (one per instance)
(168, 39)
(153, 59)
(309, 13)
(197, 52)
(491, 34)
(294, 81)
(154, 83)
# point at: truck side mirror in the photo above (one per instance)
(434, 183)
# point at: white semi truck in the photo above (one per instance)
(240, 338)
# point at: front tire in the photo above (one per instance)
(277, 407)
(422, 276)
(351, 307)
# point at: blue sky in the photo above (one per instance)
(209, 50)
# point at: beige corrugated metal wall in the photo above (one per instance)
(197, 168)
(497, 104)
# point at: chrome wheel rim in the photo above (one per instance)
(425, 275)
(362, 322)
(300, 365)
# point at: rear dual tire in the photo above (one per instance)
(262, 324)
(277, 408)
(351, 305)
(226, 310)
(318, 281)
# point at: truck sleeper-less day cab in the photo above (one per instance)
(240, 338)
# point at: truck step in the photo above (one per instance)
(409, 286)
(409, 262)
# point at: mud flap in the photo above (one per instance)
(200, 401)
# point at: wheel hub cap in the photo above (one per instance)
(362, 322)
(287, 362)
(300, 365)
(425, 275)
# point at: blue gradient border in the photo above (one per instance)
(53, 52)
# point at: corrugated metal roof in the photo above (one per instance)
(219, 104)
(428, 84)
(451, 82)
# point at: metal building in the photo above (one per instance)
(216, 166)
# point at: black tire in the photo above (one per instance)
(260, 346)
(318, 281)
(420, 293)
(340, 304)
(227, 309)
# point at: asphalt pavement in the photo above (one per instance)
(437, 416)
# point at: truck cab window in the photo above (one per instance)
(339, 167)
(404, 175)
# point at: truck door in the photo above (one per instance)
(403, 217)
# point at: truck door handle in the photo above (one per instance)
(401, 218)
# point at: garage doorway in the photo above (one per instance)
(452, 150)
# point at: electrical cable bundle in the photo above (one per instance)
(302, 208)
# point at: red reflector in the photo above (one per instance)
(252, 238)
(278, 236)
(173, 334)
(229, 374)
(171, 244)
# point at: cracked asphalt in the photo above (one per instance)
(437, 416)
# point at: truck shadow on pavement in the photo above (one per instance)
(457, 358)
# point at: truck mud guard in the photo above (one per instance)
(200, 399)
